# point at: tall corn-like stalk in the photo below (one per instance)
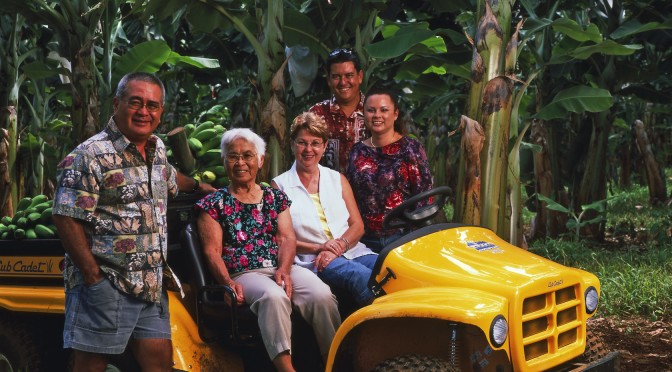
(271, 76)
(11, 67)
(492, 100)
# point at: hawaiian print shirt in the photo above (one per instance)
(344, 131)
(122, 200)
(383, 177)
(249, 229)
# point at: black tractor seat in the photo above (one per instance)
(219, 317)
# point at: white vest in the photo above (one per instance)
(305, 220)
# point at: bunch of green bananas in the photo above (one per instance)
(32, 220)
(204, 141)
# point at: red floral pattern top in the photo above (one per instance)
(249, 229)
(122, 199)
(344, 131)
(383, 177)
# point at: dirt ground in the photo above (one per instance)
(644, 345)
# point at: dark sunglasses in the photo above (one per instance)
(339, 51)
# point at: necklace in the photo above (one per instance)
(394, 138)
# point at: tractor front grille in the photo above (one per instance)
(551, 322)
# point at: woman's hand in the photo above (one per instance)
(337, 247)
(237, 289)
(283, 279)
(324, 259)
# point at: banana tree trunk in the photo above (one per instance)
(625, 168)
(11, 197)
(84, 92)
(272, 86)
(593, 186)
(485, 65)
(497, 203)
(657, 192)
(511, 220)
(469, 196)
(109, 25)
(6, 208)
(497, 102)
(271, 122)
(184, 158)
(464, 209)
(543, 177)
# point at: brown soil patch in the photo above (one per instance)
(644, 345)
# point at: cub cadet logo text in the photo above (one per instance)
(485, 246)
(22, 265)
(554, 283)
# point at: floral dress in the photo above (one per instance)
(249, 229)
(383, 177)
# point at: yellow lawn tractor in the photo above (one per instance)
(452, 297)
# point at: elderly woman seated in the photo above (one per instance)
(249, 244)
(325, 215)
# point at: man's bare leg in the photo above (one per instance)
(153, 354)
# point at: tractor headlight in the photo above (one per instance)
(592, 299)
(499, 329)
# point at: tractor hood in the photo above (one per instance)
(471, 257)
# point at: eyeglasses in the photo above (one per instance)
(247, 157)
(340, 51)
(136, 104)
(314, 144)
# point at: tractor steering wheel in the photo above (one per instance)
(402, 216)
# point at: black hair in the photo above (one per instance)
(139, 76)
(399, 123)
(341, 55)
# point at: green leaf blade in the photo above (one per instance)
(576, 99)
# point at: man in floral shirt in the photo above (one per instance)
(110, 210)
(343, 111)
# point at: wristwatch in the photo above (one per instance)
(196, 186)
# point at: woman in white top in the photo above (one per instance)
(324, 214)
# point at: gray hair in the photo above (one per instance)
(139, 76)
(243, 133)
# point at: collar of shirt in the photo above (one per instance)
(121, 143)
(335, 107)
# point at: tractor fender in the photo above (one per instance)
(453, 305)
(190, 353)
(35, 299)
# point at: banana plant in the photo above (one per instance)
(490, 107)
(15, 55)
(576, 52)
(75, 24)
(576, 222)
(264, 28)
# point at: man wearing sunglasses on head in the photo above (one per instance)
(110, 210)
(343, 112)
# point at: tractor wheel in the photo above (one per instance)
(19, 350)
(414, 362)
(595, 348)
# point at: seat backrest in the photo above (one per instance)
(192, 245)
(217, 314)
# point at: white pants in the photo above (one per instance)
(311, 297)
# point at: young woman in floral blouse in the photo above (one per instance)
(249, 245)
(385, 169)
